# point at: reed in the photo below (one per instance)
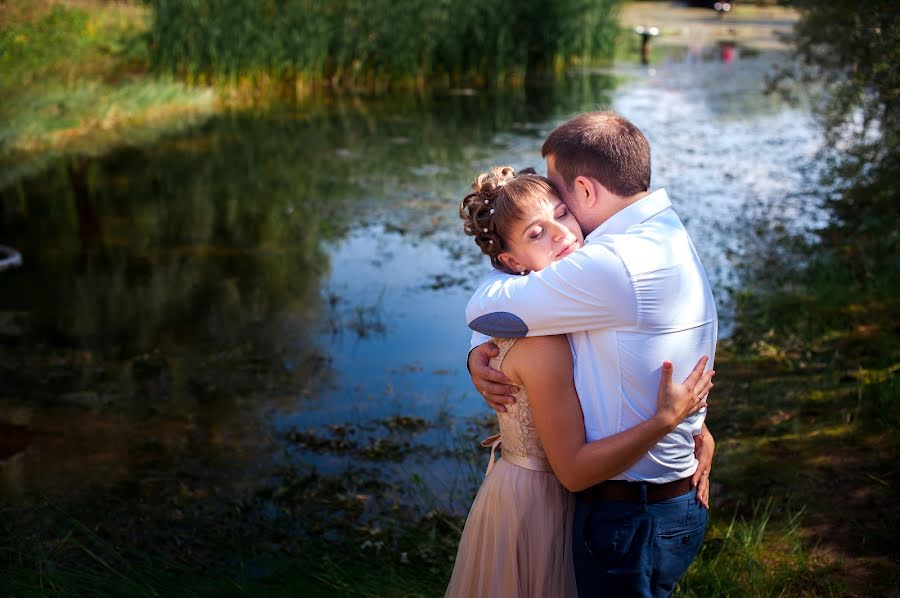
(377, 44)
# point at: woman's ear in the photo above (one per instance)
(507, 259)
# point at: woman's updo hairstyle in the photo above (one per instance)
(499, 198)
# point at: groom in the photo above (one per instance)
(634, 296)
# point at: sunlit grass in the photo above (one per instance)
(77, 82)
(756, 556)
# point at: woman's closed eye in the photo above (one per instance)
(536, 233)
(562, 214)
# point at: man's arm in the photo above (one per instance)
(589, 289)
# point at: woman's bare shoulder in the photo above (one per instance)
(537, 355)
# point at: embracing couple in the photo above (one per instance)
(597, 300)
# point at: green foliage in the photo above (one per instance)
(369, 44)
(747, 557)
(853, 48)
(74, 82)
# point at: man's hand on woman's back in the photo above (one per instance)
(492, 384)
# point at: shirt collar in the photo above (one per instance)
(640, 211)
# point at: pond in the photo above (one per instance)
(286, 288)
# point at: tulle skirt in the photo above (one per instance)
(517, 541)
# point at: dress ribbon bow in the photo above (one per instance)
(493, 442)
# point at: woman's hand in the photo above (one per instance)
(677, 401)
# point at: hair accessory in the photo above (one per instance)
(492, 210)
(490, 241)
(485, 230)
(487, 201)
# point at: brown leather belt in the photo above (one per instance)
(621, 490)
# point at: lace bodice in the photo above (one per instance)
(517, 428)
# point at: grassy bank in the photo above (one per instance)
(807, 425)
(81, 78)
(76, 81)
(374, 45)
(318, 546)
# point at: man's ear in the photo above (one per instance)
(507, 259)
(591, 192)
(585, 191)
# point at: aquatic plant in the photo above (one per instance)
(377, 44)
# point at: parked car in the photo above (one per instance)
(718, 6)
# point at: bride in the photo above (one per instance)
(517, 537)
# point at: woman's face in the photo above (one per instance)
(547, 233)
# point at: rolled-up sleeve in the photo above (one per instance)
(477, 339)
(589, 290)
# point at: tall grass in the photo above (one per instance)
(749, 556)
(374, 44)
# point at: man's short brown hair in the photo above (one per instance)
(603, 146)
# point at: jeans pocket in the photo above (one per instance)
(676, 549)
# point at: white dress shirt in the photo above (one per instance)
(634, 296)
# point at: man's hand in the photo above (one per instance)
(704, 447)
(492, 384)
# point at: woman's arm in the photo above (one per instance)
(543, 365)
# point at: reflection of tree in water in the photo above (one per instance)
(185, 250)
(187, 275)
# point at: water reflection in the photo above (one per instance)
(177, 295)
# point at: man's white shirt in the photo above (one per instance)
(634, 296)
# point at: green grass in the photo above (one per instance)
(372, 45)
(77, 82)
(807, 414)
(751, 557)
(83, 80)
(742, 556)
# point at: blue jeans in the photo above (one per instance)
(624, 549)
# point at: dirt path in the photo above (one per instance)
(759, 27)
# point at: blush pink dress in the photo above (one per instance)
(518, 535)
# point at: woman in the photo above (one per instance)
(517, 538)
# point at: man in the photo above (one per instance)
(634, 296)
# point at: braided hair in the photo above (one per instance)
(499, 198)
